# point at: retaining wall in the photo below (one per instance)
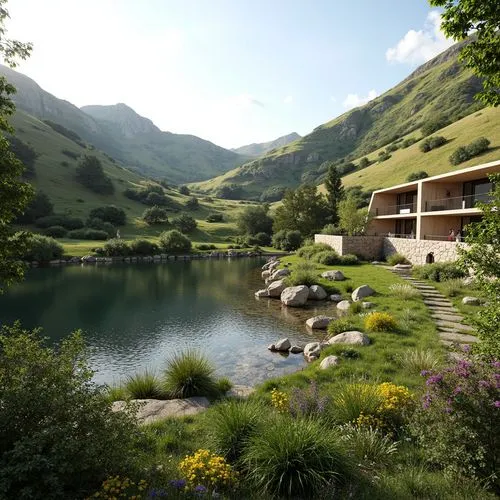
(366, 247)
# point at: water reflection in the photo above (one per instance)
(136, 316)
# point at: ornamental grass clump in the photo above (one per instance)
(416, 360)
(404, 291)
(144, 385)
(353, 400)
(380, 322)
(341, 325)
(303, 273)
(458, 420)
(307, 251)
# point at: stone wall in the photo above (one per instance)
(416, 251)
(366, 247)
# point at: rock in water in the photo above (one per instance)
(282, 345)
(275, 288)
(312, 351)
(295, 296)
(317, 292)
(319, 322)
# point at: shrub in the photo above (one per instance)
(42, 248)
(155, 215)
(215, 217)
(280, 400)
(59, 220)
(397, 258)
(100, 225)
(439, 271)
(144, 386)
(190, 374)
(120, 487)
(70, 154)
(233, 423)
(193, 203)
(307, 251)
(154, 198)
(331, 229)
(88, 234)
(206, 246)
(355, 307)
(39, 206)
(327, 257)
(287, 240)
(184, 190)
(458, 420)
(116, 248)
(109, 213)
(295, 458)
(274, 193)
(432, 143)
(408, 142)
(459, 156)
(435, 123)
(58, 436)
(303, 274)
(185, 223)
(143, 247)
(341, 325)
(25, 153)
(380, 322)
(475, 148)
(261, 239)
(382, 156)
(55, 232)
(415, 176)
(174, 242)
(349, 260)
(89, 173)
(404, 291)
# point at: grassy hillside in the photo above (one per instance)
(258, 149)
(55, 175)
(441, 87)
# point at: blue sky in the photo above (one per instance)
(230, 71)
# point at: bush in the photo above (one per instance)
(154, 198)
(90, 174)
(174, 242)
(215, 218)
(25, 153)
(415, 176)
(380, 322)
(458, 420)
(184, 190)
(193, 203)
(439, 271)
(408, 142)
(144, 386)
(464, 153)
(116, 248)
(308, 251)
(327, 257)
(143, 247)
(185, 223)
(349, 260)
(435, 123)
(109, 213)
(459, 155)
(260, 239)
(58, 436)
(274, 193)
(59, 220)
(206, 246)
(55, 232)
(295, 458)
(432, 143)
(70, 154)
(88, 234)
(341, 325)
(404, 291)
(287, 240)
(155, 215)
(190, 374)
(397, 258)
(331, 229)
(42, 248)
(303, 274)
(100, 225)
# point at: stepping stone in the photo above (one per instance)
(444, 309)
(447, 317)
(433, 295)
(456, 326)
(435, 302)
(422, 287)
(457, 337)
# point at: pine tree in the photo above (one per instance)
(335, 192)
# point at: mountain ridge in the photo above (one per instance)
(260, 148)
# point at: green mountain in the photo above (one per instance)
(440, 88)
(258, 149)
(129, 138)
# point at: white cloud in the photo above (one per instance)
(354, 100)
(288, 99)
(417, 47)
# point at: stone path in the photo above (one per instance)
(448, 319)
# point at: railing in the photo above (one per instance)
(404, 208)
(400, 235)
(457, 203)
(440, 237)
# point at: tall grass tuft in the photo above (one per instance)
(307, 251)
(453, 287)
(116, 393)
(341, 325)
(417, 360)
(304, 273)
(145, 385)
(190, 374)
(231, 425)
(295, 458)
(353, 400)
(397, 258)
(404, 291)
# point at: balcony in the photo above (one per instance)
(401, 209)
(457, 203)
(444, 237)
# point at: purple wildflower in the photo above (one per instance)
(495, 364)
(484, 383)
(466, 348)
(434, 379)
(424, 373)
(200, 490)
(496, 404)
(178, 483)
(457, 390)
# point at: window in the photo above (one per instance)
(476, 191)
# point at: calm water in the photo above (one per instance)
(136, 316)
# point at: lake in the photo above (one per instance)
(135, 316)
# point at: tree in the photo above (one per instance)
(482, 54)
(483, 258)
(14, 193)
(184, 190)
(185, 223)
(335, 192)
(364, 162)
(352, 221)
(109, 213)
(174, 241)
(415, 176)
(89, 172)
(303, 210)
(193, 203)
(253, 220)
(155, 215)
(39, 206)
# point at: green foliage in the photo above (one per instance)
(353, 400)
(334, 192)
(327, 257)
(464, 153)
(349, 259)
(417, 360)
(308, 251)
(155, 215)
(109, 213)
(397, 258)
(156, 199)
(483, 257)
(193, 203)
(364, 162)
(273, 193)
(459, 19)
(89, 172)
(431, 143)
(408, 142)
(65, 221)
(404, 291)
(331, 229)
(229, 192)
(55, 232)
(174, 242)
(206, 246)
(383, 156)
(303, 273)
(341, 325)
(435, 123)
(58, 436)
(260, 239)
(361, 197)
(352, 221)
(255, 219)
(144, 385)
(295, 458)
(100, 225)
(453, 287)
(190, 374)
(116, 248)
(42, 248)
(415, 176)
(185, 223)
(151, 194)
(215, 217)
(39, 206)
(302, 210)
(69, 134)
(25, 154)
(88, 234)
(439, 271)
(70, 154)
(184, 190)
(143, 247)
(287, 240)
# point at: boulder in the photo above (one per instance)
(265, 274)
(280, 273)
(282, 345)
(317, 292)
(352, 337)
(344, 305)
(336, 297)
(319, 322)
(272, 347)
(361, 292)
(312, 351)
(329, 361)
(273, 264)
(333, 275)
(367, 305)
(89, 258)
(275, 288)
(471, 301)
(262, 293)
(295, 296)
(296, 349)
